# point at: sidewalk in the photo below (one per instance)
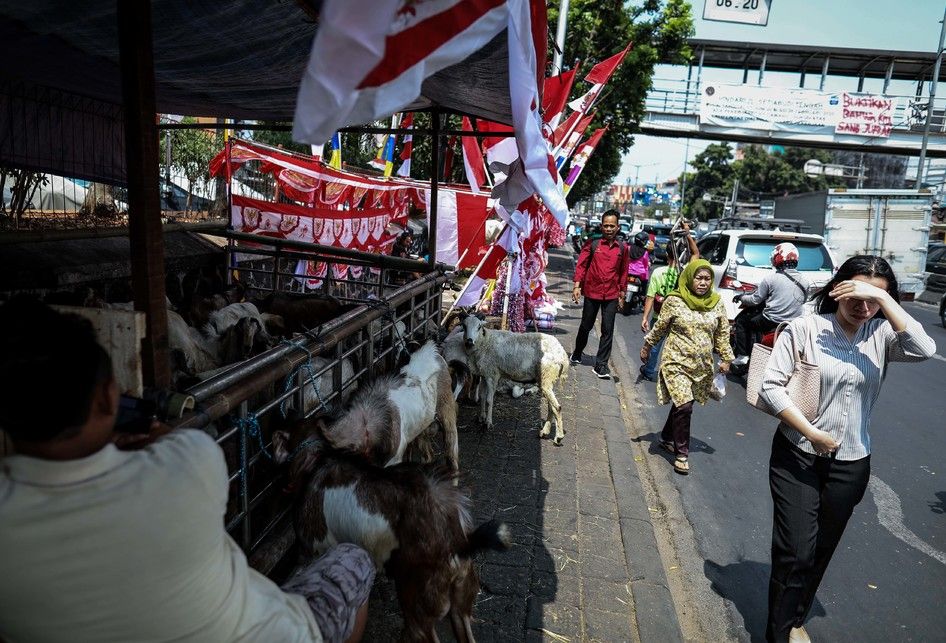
(585, 566)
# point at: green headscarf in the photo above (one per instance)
(685, 288)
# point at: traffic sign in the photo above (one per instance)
(748, 12)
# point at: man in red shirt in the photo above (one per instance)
(601, 276)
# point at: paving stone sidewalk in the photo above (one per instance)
(585, 565)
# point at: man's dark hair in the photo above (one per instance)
(611, 213)
(50, 365)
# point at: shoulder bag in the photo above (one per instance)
(804, 384)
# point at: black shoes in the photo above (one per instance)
(602, 374)
(573, 359)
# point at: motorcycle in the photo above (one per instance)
(740, 365)
(634, 297)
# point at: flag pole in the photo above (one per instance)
(504, 322)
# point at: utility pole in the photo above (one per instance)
(560, 35)
(929, 109)
(735, 196)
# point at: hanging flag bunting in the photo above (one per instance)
(557, 89)
(568, 145)
(599, 75)
(407, 123)
(472, 158)
(335, 156)
(581, 158)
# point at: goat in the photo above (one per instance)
(411, 520)
(301, 313)
(464, 378)
(393, 411)
(521, 357)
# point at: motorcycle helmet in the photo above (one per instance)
(641, 239)
(784, 255)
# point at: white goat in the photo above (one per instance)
(521, 357)
(455, 355)
(393, 411)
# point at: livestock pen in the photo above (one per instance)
(244, 400)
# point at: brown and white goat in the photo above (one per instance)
(412, 520)
(521, 357)
(389, 413)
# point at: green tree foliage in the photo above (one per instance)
(191, 152)
(762, 175)
(598, 29)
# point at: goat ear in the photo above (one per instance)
(280, 446)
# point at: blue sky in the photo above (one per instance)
(886, 25)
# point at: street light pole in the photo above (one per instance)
(929, 108)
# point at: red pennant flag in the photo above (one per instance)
(568, 125)
(601, 72)
(557, 89)
(472, 159)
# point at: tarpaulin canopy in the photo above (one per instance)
(60, 101)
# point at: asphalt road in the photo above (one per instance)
(887, 581)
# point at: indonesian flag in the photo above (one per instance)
(582, 158)
(370, 57)
(599, 75)
(407, 123)
(472, 159)
(567, 147)
(498, 149)
(557, 89)
(460, 226)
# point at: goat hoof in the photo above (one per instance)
(557, 440)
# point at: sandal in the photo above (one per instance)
(681, 466)
(667, 446)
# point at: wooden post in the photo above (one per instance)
(434, 179)
(141, 168)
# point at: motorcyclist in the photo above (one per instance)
(779, 298)
(639, 260)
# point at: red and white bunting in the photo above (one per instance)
(472, 159)
(460, 226)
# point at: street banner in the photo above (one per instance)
(769, 108)
(866, 115)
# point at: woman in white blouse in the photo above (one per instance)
(818, 471)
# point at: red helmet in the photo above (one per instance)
(784, 252)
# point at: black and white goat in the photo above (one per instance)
(521, 357)
(412, 520)
(390, 413)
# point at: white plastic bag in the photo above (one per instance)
(718, 392)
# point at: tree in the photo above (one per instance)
(596, 30)
(191, 153)
(23, 185)
(712, 175)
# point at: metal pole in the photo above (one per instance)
(560, 35)
(929, 109)
(683, 182)
(144, 203)
(434, 180)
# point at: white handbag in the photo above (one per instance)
(804, 385)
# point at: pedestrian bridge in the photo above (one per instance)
(752, 112)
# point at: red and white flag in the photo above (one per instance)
(599, 75)
(472, 158)
(567, 146)
(557, 89)
(460, 226)
(581, 159)
(370, 57)
(407, 123)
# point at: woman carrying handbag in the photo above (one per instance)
(818, 470)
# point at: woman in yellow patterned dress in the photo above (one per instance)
(694, 322)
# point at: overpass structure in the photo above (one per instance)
(809, 115)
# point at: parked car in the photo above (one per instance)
(936, 267)
(660, 235)
(741, 258)
(942, 310)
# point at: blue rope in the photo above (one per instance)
(307, 366)
(250, 425)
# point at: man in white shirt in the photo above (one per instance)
(105, 544)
